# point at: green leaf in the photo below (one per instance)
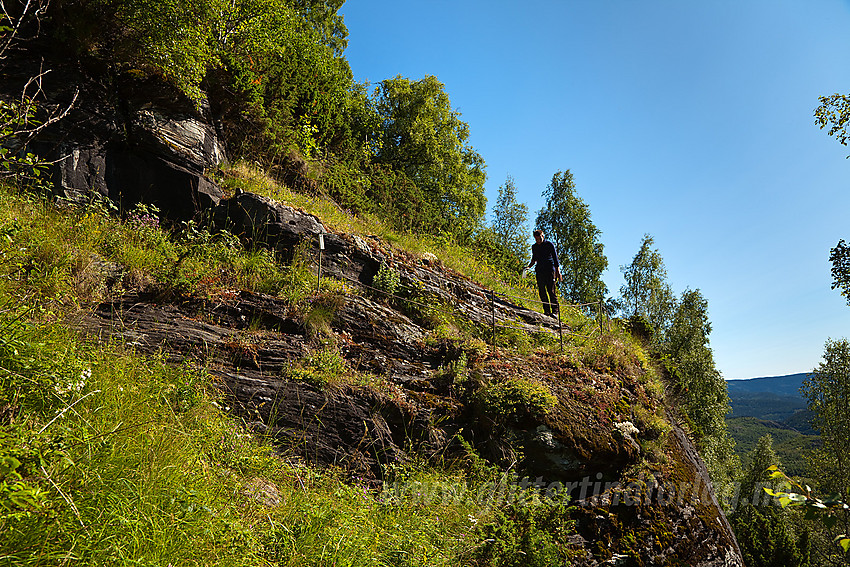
(8, 464)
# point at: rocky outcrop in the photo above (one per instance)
(263, 221)
(255, 344)
(126, 139)
(138, 141)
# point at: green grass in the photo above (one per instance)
(109, 457)
(136, 463)
(450, 254)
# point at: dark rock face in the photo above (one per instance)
(129, 140)
(260, 219)
(249, 342)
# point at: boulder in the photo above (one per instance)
(261, 219)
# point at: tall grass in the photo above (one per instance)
(108, 457)
(454, 256)
(135, 463)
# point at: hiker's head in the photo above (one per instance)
(539, 236)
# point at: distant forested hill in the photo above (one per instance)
(788, 385)
(776, 406)
(775, 398)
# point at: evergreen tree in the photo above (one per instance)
(766, 539)
(756, 475)
(565, 218)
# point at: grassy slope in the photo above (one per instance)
(109, 457)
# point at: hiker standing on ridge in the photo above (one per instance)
(547, 271)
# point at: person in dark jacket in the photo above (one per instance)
(547, 271)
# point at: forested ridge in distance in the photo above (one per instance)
(772, 405)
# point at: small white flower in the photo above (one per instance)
(626, 428)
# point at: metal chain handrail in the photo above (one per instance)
(493, 295)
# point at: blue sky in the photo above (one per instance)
(689, 121)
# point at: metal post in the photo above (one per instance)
(493, 304)
(560, 330)
(599, 316)
(319, 275)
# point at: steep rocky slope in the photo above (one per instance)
(591, 420)
(598, 428)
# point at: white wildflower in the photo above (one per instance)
(74, 387)
(626, 428)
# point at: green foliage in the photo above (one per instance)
(832, 512)
(502, 259)
(840, 259)
(275, 75)
(273, 70)
(322, 367)
(421, 136)
(756, 474)
(766, 539)
(17, 121)
(510, 221)
(834, 111)
(565, 218)
(530, 531)
(646, 292)
(18, 498)
(386, 279)
(516, 399)
(687, 343)
(702, 388)
(827, 389)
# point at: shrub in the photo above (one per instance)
(387, 279)
(516, 399)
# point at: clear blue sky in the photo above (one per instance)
(690, 121)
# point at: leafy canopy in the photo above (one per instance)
(565, 218)
(704, 396)
(510, 220)
(423, 137)
(646, 292)
(834, 112)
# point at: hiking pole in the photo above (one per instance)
(560, 330)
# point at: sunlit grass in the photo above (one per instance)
(126, 460)
(451, 255)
